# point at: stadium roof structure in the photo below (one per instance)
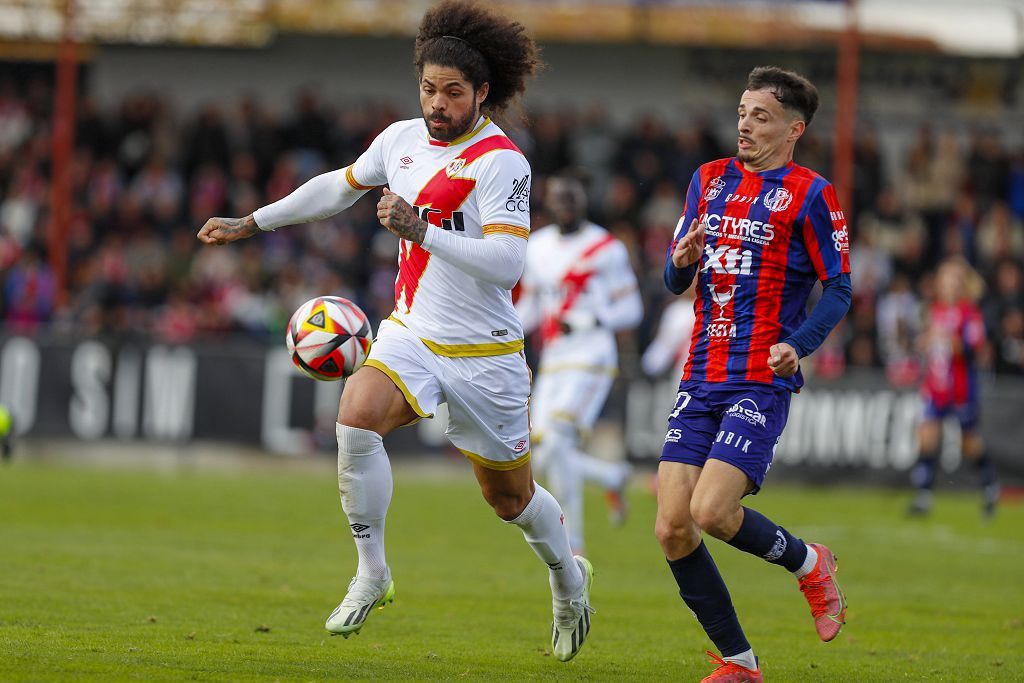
(977, 28)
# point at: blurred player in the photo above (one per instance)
(671, 344)
(757, 232)
(954, 336)
(6, 433)
(457, 193)
(579, 290)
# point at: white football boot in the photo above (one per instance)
(572, 617)
(363, 595)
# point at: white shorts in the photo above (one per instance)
(488, 397)
(570, 396)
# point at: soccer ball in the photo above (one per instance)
(328, 338)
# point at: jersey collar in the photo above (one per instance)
(484, 120)
(771, 173)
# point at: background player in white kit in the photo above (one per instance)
(668, 351)
(578, 290)
(454, 184)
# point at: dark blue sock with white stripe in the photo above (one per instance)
(703, 590)
(986, 471)
(923, 474)
(760, 536)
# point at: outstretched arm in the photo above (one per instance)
(224, 230)
(319, 197)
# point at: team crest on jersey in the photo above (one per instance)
(454, 166)
(714, 188)
(778, 199)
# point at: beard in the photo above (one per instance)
(455, 128)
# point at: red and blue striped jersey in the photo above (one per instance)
(955, 336)
(770, 237)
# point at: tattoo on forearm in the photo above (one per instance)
(407, 225)
(242, 227)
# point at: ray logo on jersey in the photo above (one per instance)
(454, 166)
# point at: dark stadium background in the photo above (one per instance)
(118, 324)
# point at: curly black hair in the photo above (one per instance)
(793, 91)
(486, 47)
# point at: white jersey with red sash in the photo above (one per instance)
(571, 276)
(475, 186)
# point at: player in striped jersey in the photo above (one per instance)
(578, 291)
(757, 232)
(954, 337)
(456, 191)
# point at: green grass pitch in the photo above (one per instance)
(120, 574)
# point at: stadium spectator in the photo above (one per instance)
(139, 170)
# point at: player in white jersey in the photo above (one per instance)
(670, 347)
(456, 190)
(578, 291)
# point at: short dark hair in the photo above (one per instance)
(485, 46)
(793, 91)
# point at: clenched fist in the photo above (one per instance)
(395, 214)
(783, 360)
(224, 230)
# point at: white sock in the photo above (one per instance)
(541, 522)
(565, 477)
(364, 482)
(809, 562)
(744, 659)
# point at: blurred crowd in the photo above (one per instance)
(146, 176)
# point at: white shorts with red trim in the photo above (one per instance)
(488, 397)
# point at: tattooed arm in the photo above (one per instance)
(224, 230)
(396, 215)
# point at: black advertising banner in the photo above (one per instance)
(858, 426)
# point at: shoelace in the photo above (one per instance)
(361, 592)
(729, 666)
(568, 618)
(814, 589)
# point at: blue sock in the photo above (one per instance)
(923, 474)
(760, 536)
(986, 470)
(704, 592)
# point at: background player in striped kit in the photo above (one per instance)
(954, 336)
(578, 291)
(453, 188)
(757, 232)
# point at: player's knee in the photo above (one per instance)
(676, 538)
(707, 515)
(507, 505)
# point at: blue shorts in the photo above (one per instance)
(967, 414)
(737, 423)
